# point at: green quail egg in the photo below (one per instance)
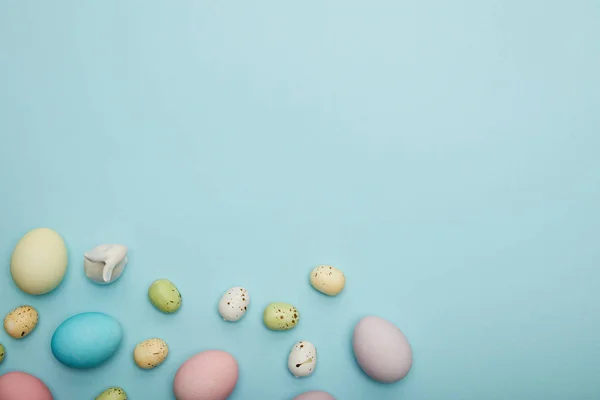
(281, 316)
(113, 393)
(165, 296)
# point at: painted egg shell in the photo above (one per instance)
(165, 296)
(327, 280)
(113, 393)
(86, 340)
(381, 349)
(150, 353)
(21, 321)
(281, 316)
(302, 359)
(315, 395)
(210, 375)
(21, 385)
(234, 304)
(39, 261)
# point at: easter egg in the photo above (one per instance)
(381, 350)
(210, 375)
(280, 316)
(314, 395)
(165, 296)
(327, 280)
(21, 385)
(39, 261)
(234, 304)
(302, 360)
(2, 352)
(150, 353)
(113, 393)
(86, 340)
(21, 321)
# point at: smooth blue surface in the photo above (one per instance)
(444, 154)
(86, 340)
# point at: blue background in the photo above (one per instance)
(444, 155)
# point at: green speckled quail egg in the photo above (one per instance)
(281, 316)
(2, 352)
(113, 393)
(150, 353)
(302, 360)
(165, 296)
(234, 303)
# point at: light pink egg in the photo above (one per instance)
(315, 395)
(210, 375)
(23, 386)
(381, 349)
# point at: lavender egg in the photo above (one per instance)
(381, 349)
(315, 395)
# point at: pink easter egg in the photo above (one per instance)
(23, 386)
(314, 395)
(210, 375)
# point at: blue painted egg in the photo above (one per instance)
(86, 340)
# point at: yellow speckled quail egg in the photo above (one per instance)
(21, 321)
(150, 353)
(327, 280)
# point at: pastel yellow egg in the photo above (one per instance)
(21, 321)
(39, 261)
(328, 280)
(150, 353)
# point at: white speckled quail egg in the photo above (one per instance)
(302, 359)
(234, 304)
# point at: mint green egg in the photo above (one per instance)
(165, 296)
(281, 316)
(113, 393)
(1, 353)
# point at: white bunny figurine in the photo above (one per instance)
(104, 264)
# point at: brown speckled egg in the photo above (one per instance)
(150, 353)
(210, 375)
(21, 321)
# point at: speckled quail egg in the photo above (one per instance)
(327, 280)
(21, 321)
(113, 393)
(281, 316)
(150, 353)
(302, 359)
(234, 304)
